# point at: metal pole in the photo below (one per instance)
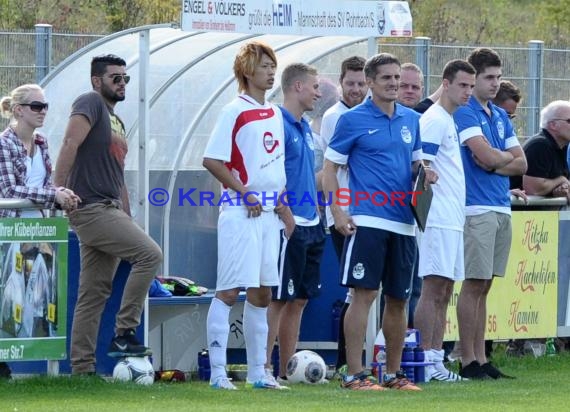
(534, 92)
(372, 323)
(43, 50)
(372, 46)
(144, 62)
(422, 60)
(143, 179)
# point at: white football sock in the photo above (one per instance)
(255, 331)
(217, 332)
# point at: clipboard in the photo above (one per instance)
(423, 199)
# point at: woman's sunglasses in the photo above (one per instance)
(36, 106)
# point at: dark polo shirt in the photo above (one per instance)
(544, 157)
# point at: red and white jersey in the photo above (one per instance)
(249, 138)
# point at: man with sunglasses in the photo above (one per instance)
(91, 162)
(508, 98)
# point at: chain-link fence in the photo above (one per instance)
(542, 74)
(20, 62)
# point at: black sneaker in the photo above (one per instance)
(493, 372)
(473, 371)
(127, 345)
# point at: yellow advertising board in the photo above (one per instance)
(523, 304)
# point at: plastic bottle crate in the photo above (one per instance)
(376, 367)
(411, 342)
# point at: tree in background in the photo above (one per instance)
(17, 14)
(554, 18)
(122, 14)
(87, 16)
(497, 22)
(472, 22)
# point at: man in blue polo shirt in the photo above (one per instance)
(300, 255)
(379, 141)
(491, 153)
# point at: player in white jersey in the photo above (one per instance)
(231, 142)
(441, 245)
(246, 154)
(354, 89)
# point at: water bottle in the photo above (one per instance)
(407, 357)
(419, 370)
(381, 360)
(336, 311)
(275, 361)
(204, 365)
(550, 348)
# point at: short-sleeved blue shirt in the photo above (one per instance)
(485, 191)
(299, 168)
(379, 151)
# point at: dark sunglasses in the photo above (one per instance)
(36, 106)
(118, 77)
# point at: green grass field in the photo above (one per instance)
(542, 385)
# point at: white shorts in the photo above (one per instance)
(441, 253)
(248, 249)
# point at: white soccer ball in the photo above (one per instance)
(134, 369)
(307, 367)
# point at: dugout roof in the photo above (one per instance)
(189, 79)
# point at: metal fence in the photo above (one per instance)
(542, 74)
(27, 56)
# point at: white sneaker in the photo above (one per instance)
(440, 373)
(267, 382)
(281, 381)
(429, 372)
(223, 382)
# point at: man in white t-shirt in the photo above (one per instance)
(441, 245)
(354, 89)
(246, 154)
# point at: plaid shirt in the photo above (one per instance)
(13, 173)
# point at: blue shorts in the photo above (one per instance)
(372, 256)
(299, 263)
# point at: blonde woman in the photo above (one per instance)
(25, 165)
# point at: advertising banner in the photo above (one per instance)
(523, 304)
(300, 17)
(33, 289)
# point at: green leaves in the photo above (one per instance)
(87, 16)
(497, 23)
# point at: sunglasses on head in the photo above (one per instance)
(36, 106)
(118, 77)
